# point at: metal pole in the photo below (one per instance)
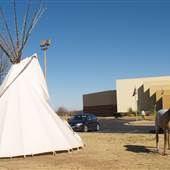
(136, 106)
(45, 65)
(44, 46)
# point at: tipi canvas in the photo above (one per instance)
(28, 125)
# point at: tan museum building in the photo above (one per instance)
(143, 93)
(131, 94)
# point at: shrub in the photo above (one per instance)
(62, 111)
(131, 112)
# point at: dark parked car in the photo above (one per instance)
(84, 122)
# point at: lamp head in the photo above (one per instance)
(45, 43)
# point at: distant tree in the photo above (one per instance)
(62, 111)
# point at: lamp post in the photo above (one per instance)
(135, 95)
(44, 46)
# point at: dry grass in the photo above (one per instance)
(121, 144)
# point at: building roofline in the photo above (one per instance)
(98, 92)
(138, 78)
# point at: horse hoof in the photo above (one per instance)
(163, 154)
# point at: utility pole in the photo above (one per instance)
(44, 46)
(135, 95)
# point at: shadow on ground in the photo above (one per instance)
(138, 149)
(122, 125)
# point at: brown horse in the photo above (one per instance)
(162, 120)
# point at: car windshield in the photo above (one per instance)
(80, 117)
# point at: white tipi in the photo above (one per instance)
(28, 125)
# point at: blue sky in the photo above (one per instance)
(96, 42)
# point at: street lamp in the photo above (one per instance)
(44, 46)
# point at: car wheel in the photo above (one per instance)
(85, 128)
(98, 127)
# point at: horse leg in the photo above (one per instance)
(157, 140)
(165, 140)
(168, 139)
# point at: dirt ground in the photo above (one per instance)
(120, 144)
